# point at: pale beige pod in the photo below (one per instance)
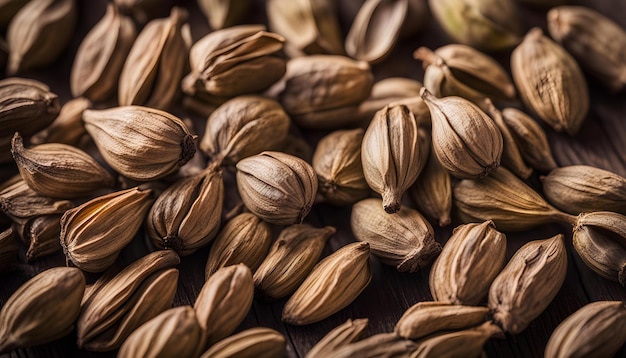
(432, 191)
(258, 342)
(340, 336)
(425, 318)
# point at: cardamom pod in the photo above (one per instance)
(469, 262)
(465, 343)
(595, 41)
(224, 301)
(425, 318)
(174, 332)
(332, 285)
(394, 91)
(253, 342)
(550, 82)
(582, 188)
(278, 187)
(595, 329)
(8, 250)
(101, 54)
(466, 141)
(8, 9)
(432, 191)
(234, 61)
(459, 70)
(528, 283)
(68, 127)
(94, 233)
(42, 236)
(39, 33)
(59, 170)
(186, 216)
(507, 201)
(391, 154)
(42, 310)
(244, 239)
(244, 126)
(140, 143)
(291, 258)
(378, 345)
(224, 13)
(337, 162)
(309, 26)
(340, 336)
(156, 60)
(119, 303)
(404, 240)
(491, 25)
(530, 138)
(21, 203)
(600, 241)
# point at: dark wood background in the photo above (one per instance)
(601, 142)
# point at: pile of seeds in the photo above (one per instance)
(224, 142)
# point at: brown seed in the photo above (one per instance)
(465, 343)
(432, 191)
(340, 336)
(258, 342)
(425, 318)
(68, 127)
(21, 203)
(42, 236)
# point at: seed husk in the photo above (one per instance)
(464, 343)
(21, 203)
(68, 127)
(340, 336)
(42, 236)
(382, 344)
(259, 342)
(432, 191)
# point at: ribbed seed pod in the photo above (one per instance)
(175, 332)
(21, 203)
(432, 191)
(93, 234)
(59, 170)
(378, 345)
(581, 188)
(390, 153)
(68, 127)
(466, 141)
(425, 318)
(140, 143)
(550, 82)
(332, 285)
(224, 301)
(8, 250)
(187, 215)
(259, 342)
(404, 240)
(466, 343)
(600, 241)
(528, 283)
(293, 255)
(469, 262)
(244, 239)
(278, 187)
(597, 329)
(42, 310)
(42, 236)
(507, 201)
(340, 336)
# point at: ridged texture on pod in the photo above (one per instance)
(21, 203)
(378, 345)
(465, 343)
(257, 342)
(42, 236)
(432, 191)
(68, 127)
(340, 336)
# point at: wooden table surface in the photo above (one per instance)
(601, 142)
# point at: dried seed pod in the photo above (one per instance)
(254, 342)
(21, 203)
(291, 258)
(432, 191)
(340, 336)
(581, 188)
(8, 250)
(528, 283)
(391, 154)
(42, 236)
(309, 26)
(93, 234)
(39, 33)
(484, 24)
(100, 57)
(140, 143)
(378, 345)
(337, 162)
(600, 241)
(278, 187)
(394, 91)
(459, 70)
(244, 239)
(404, 240)
(332, 285)
(469, 262)
(425, 318)
(507, 201)
(530, 138)
(42, 310)
(68, 127)
(224, 301)
(224, 13)
(156, 60)
(465, 343)
(244, 126)
(595, 329)
(597, 43)
(59, 170)
(550, 82)
(466, 141)
(175, 332)
(234, 61)
(117, 304)
(187, 215)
